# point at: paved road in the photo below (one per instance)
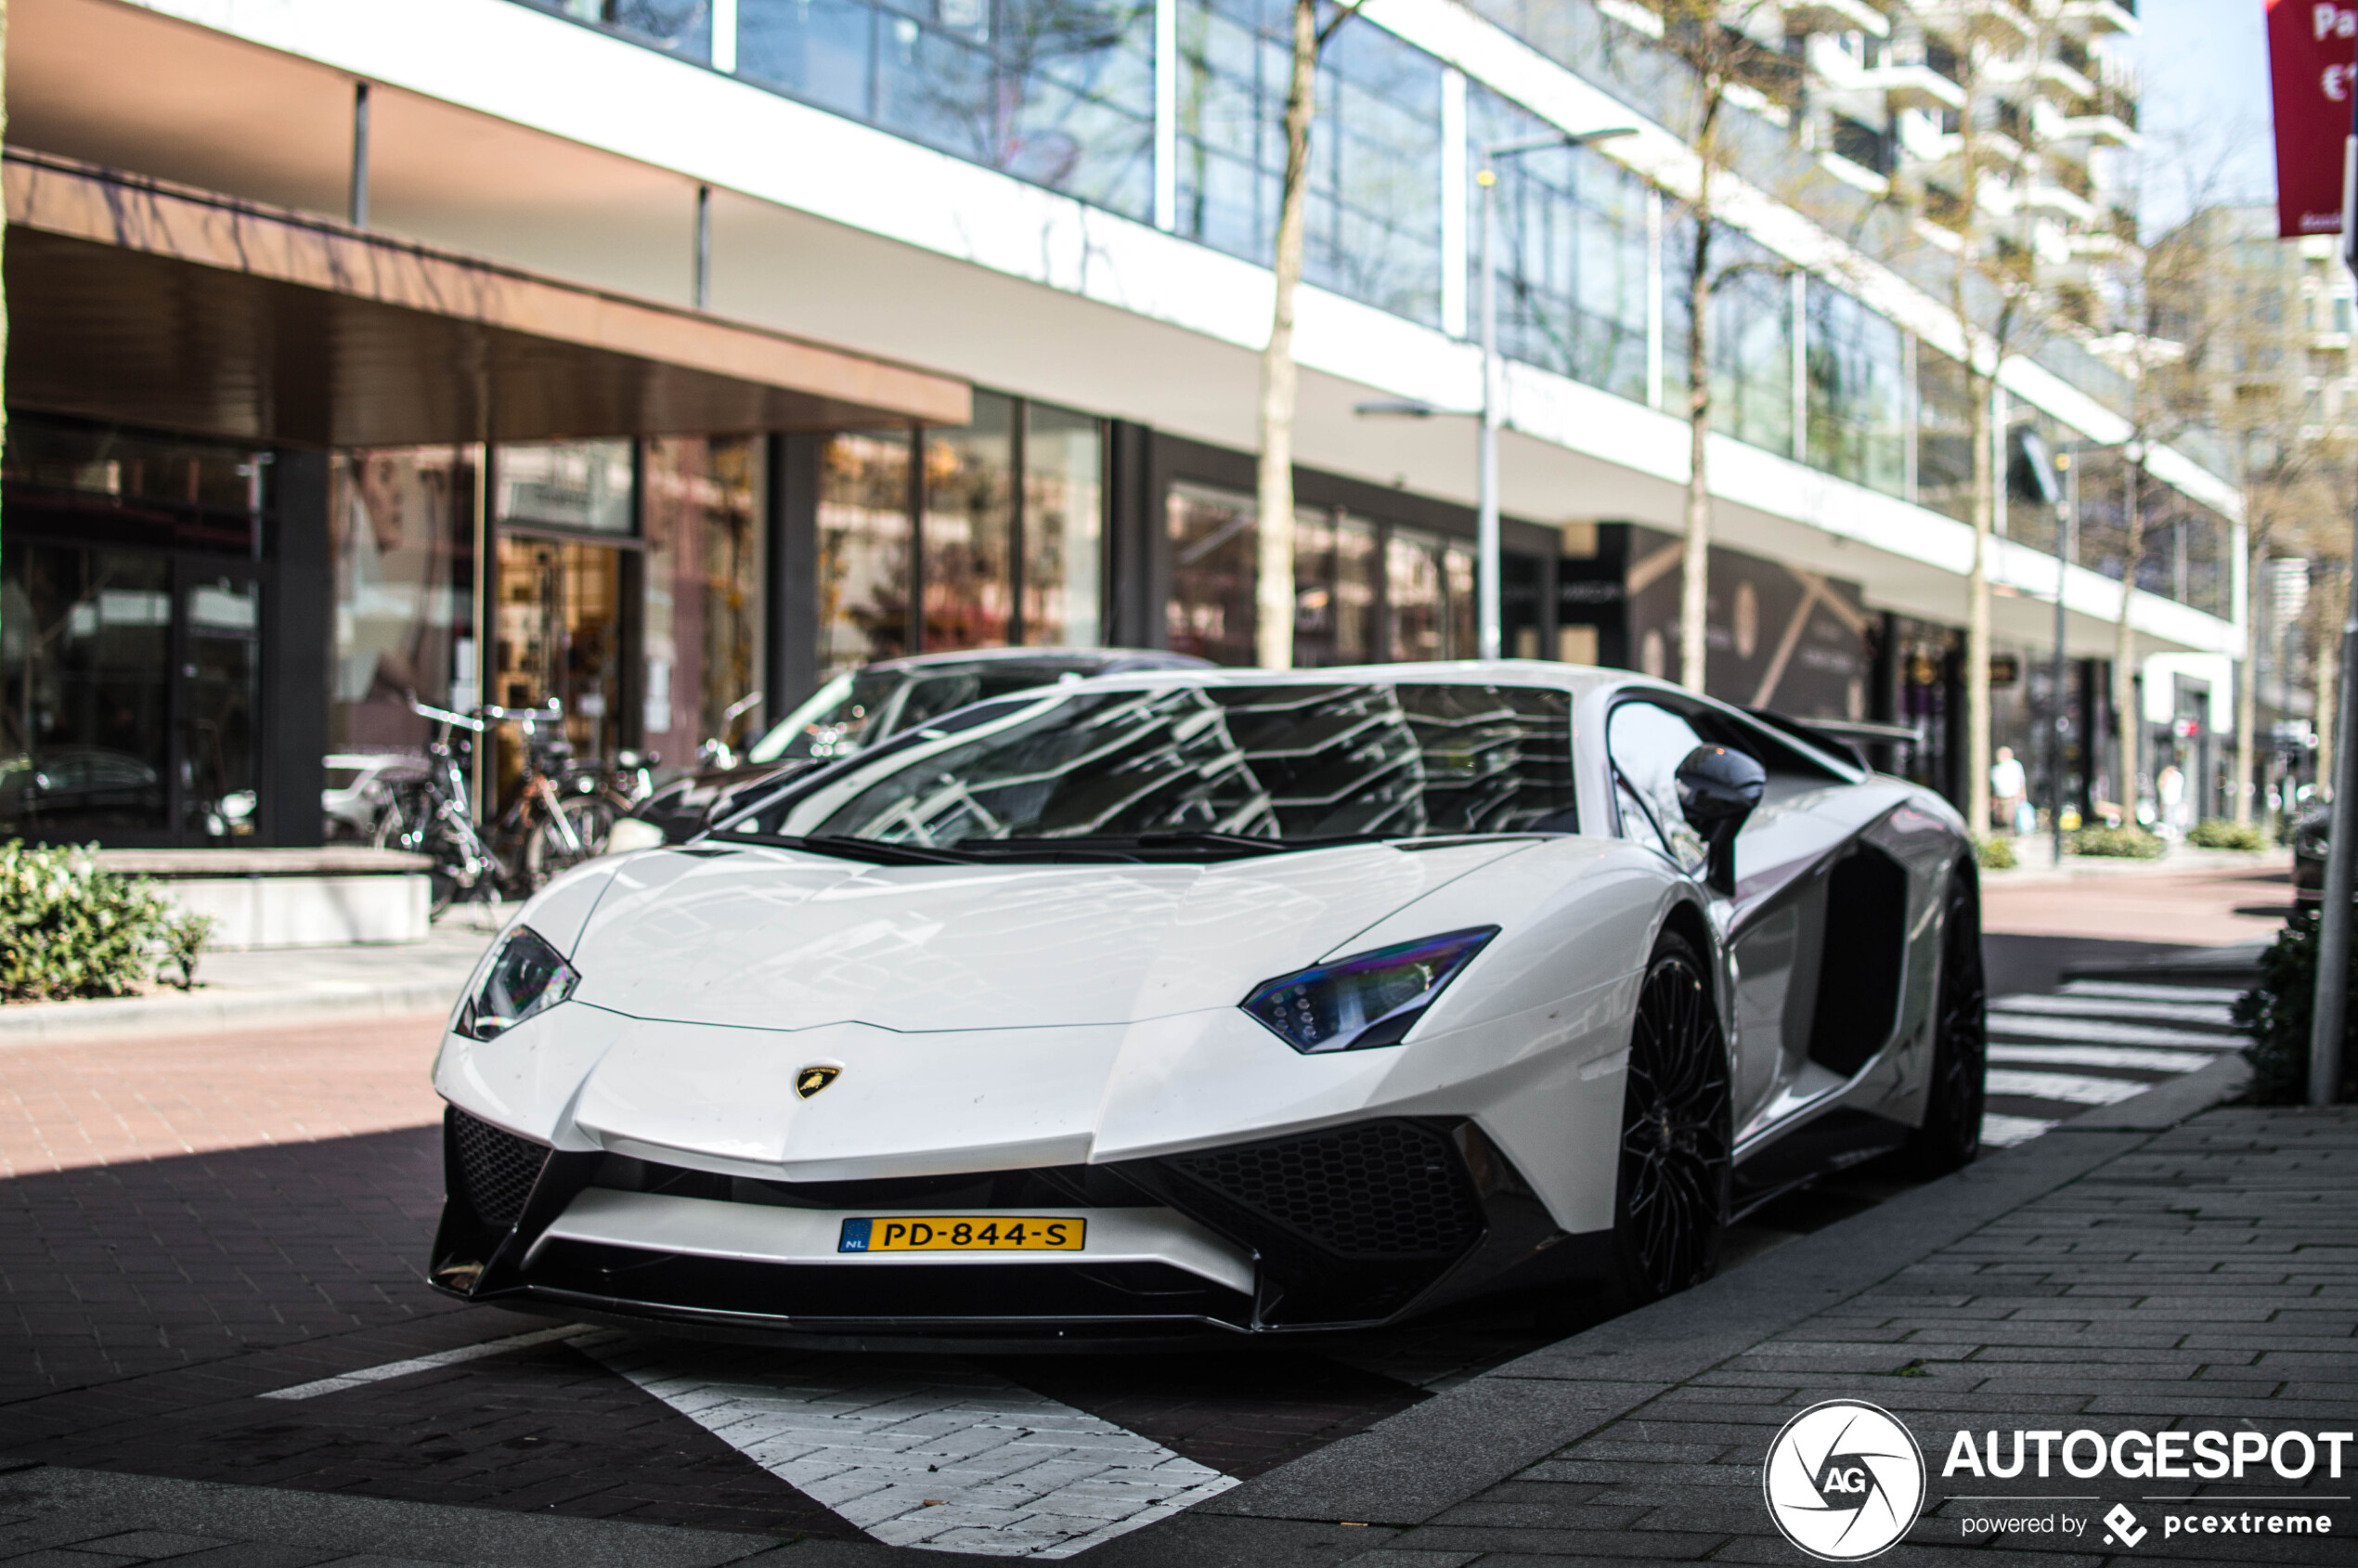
(198, 1228)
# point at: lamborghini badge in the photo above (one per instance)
(810, 1079)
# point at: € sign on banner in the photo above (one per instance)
(2312, 57)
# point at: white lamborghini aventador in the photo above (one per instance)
(1178, 1003)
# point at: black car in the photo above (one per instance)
(862, 707)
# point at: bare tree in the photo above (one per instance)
(1710, 38)
(1274, 595)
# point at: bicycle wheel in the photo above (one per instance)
(545, 851)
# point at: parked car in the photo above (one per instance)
(359, 787)
(863, 706)
(1192, 1004)
(2309, 837)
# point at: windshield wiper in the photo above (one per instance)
(1136, 846)
(873, 851)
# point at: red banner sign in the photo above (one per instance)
(2313, 55)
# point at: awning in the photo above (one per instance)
(140, 302)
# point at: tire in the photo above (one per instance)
(1951, 1136)
(1670, 1202)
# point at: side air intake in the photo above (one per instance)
(1379, 1189)
(492, 1169)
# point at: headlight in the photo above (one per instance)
(1365, 1000)
(527, 976)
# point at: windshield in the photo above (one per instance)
(863, 706)
(1278, 765)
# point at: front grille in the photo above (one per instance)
(494, 1170)
(1379, 1189)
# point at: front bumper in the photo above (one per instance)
(1337, 1228)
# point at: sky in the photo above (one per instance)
(2202, 65)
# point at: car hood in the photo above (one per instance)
(777, 940)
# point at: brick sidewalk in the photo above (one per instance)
(69, 1105)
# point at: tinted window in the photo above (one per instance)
(1647, 743)
(1281, 762)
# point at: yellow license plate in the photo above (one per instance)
(963, 1233)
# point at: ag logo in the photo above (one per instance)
(817, 1076)
(1844, 1481)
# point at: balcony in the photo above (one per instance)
(1913, 87)
(2046, 194)
(2095, 130)
(1834, 16)
(1998, 22)
(2103, 15)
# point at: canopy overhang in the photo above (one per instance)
(141, 302)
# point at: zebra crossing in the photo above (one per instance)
(2095, 1043)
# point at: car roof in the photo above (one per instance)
(1579, 680)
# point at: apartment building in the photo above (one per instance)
(646, 354)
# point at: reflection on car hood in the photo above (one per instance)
(771, 939)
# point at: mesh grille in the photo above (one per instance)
(1380, 1189)
(496, 1170)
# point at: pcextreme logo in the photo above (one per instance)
(1844, 1481)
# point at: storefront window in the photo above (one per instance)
(1374, 221)
(703, 633)
(863, 550)
(968, 530)
(401, 535)
(1215, 563)
(583, 484)
(1432, 585)
(1057, 91)
(1857, 367)
(1571, 252)
(130, 636)
(1334, 587)
(1062, 528)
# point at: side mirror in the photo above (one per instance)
(1718, 789)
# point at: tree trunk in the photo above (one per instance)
(1694, 584)
(1984, 523)
(2248, 689)
(1274, 595)
(2127, 719)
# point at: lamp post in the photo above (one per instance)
(1486, 513)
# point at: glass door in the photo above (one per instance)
(560, 635)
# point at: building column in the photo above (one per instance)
(298, 655)
(1136, 575)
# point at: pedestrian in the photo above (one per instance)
(2009, 791)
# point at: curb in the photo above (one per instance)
(1417, 1464)
(64, 1023)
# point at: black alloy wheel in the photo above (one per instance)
(1670, 1208)
(1951, 1136)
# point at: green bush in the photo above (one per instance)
(2277, 1012)
(1994, 854)
(2218, 833)
(2124, 843)
(68, 929)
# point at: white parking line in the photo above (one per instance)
(2136, 990)
(2104, 1056)
(2067, 1087)
(575, 1332)
(2001, 1131)
(925, 1453)
(2120, 1008)
(2096, 1032)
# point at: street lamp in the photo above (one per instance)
(1486, 516)
(1486, 508)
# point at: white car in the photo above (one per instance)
(357, 785)
(1179, 1003)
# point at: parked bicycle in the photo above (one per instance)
(558, 815)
